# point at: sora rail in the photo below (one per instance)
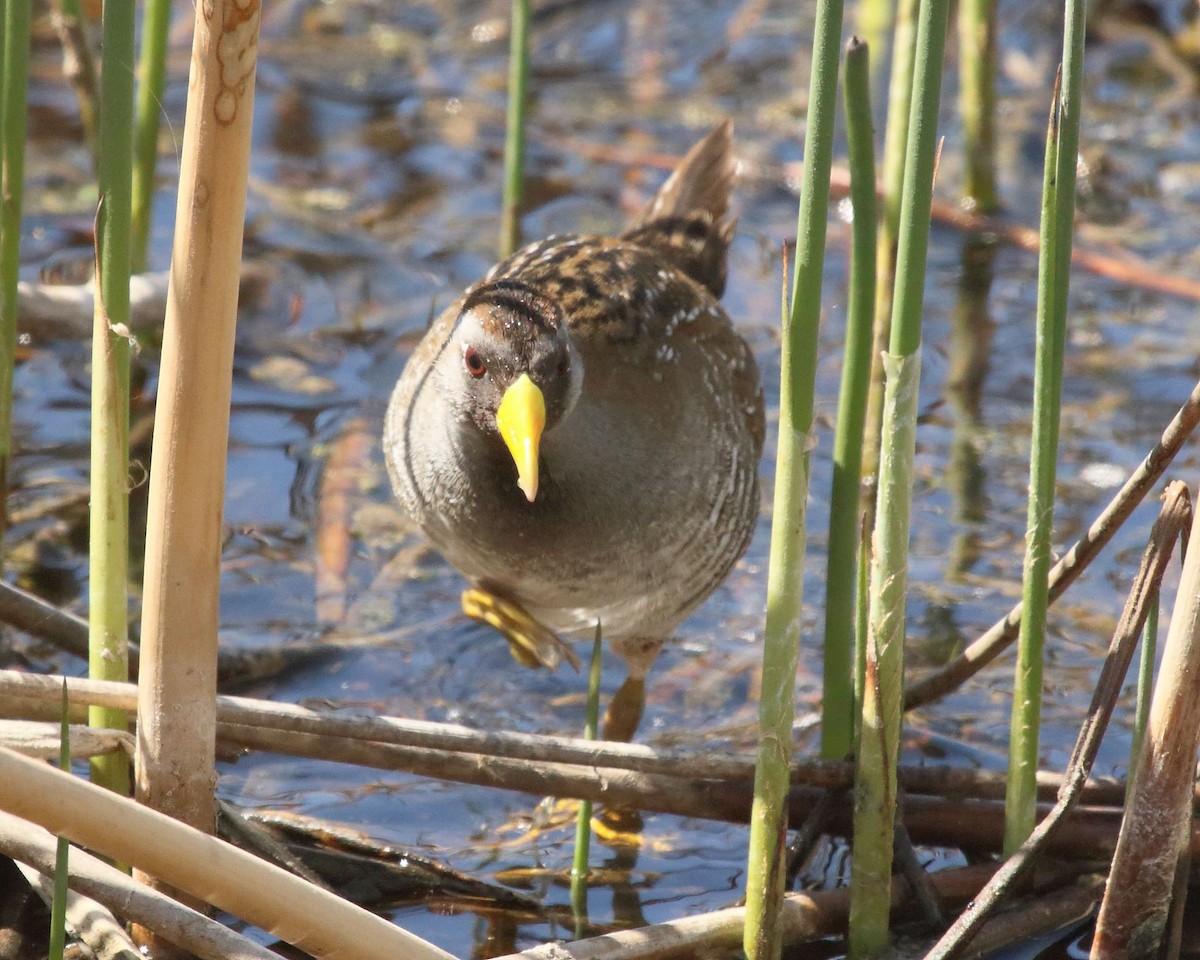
(579, 432)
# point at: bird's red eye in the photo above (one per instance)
(474, 362)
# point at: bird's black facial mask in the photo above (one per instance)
(505, 329)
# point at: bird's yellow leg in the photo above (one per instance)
(629, 702)
(530, 643)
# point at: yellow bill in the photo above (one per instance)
(520, 419)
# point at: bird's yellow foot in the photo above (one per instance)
(530, 643)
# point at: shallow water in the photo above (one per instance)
(374, 196)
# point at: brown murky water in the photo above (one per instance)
(374, 198)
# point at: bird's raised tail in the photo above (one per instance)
(686, 222)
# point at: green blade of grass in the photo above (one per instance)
(583, 822)
(1145, 687)
(58, 905)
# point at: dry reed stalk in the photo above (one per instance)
(804, 916)
(209, 869)
(1155, 831)
(23, 692)
(176, 707)
(182, 926)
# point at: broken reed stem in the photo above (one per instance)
(1001, 634)
(514, 134)
(108, 545)
(267, 896)
(785, 572)
(1155, 832)
(841, 579)
(178, 677)
(883, 690)
(92, 877)
(151, 75)
(1172, 523)
(14, 80)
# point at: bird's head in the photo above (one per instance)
(517, 370)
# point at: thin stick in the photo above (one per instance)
(18, 687)
(1173, 521)
(1002, 633)
(1155, 833)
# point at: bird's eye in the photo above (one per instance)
(563, 366)
(474, 362)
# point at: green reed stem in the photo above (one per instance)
(785, 586)
(841, 580)
(1058, 211)
(977, 99)
(58, 905)
(904, 46)
(1145, 687)
(109, 528)
(883, 695)
(151, 70)
(14, 79)
(514, 137)
(583, 823)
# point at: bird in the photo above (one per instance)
(579, 432)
